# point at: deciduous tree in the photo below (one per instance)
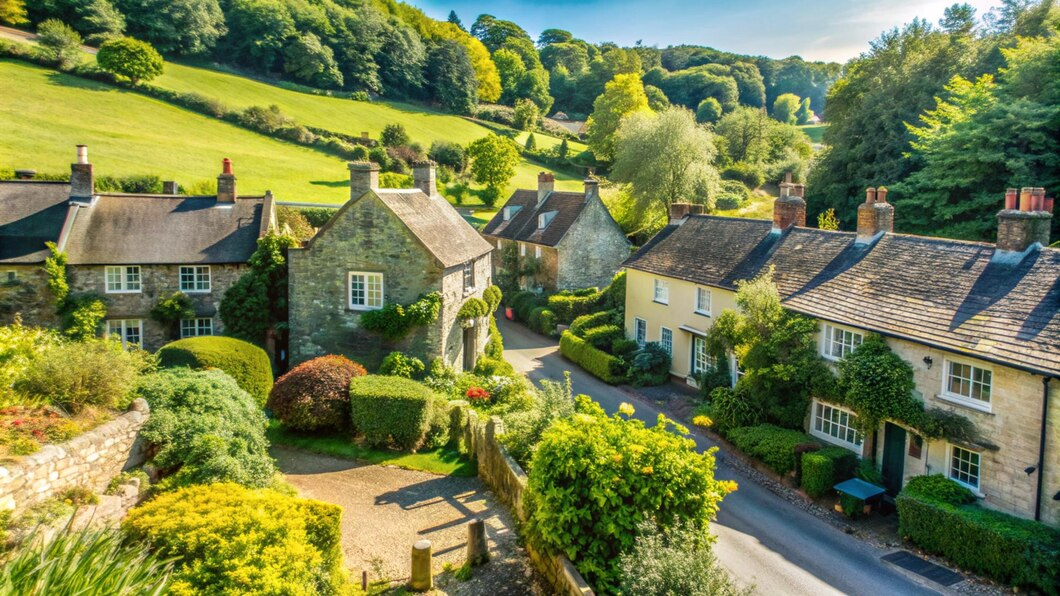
(130, 58)
(623, 96)
(493, 161)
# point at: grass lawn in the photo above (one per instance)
(757, 207)
(446, 461)
(477, 217)
(814, 131)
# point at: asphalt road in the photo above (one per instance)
(762, 539)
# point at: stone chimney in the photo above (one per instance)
(364, 176)
(679, 212)
(789, 209)
(226, 183)
(169, 187)
(875, 215)
(423, 178)
(82, 181)
(592, 189)
(1019, 229)
(546, 183)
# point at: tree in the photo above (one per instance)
(958, 18)
(804, 113)
(551, 36)
(101, 21)
(401, 60)
(451, 77)
(533, 85)
(493, 32)
(13, 12)
(564, 149)
(527, 115)
(394, 135)
(709, 111)
(312, 62)
(259, 30)
(657, 100)
(183, 27)
(493, 161)
(486, 76)
(623, 96)
(59, 43)
(455, 20)
(531, 143)
(665, 158)
(785, 107)
(130, 58)
(510, 67)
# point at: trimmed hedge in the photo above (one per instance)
(772, 445)
(542, 320)
(315, 394)
(571, 305)
(604, 336)
(243, 361)
(491, 367)
(523, 304)
(596, 362)
(823, 469)
(596, 319)
(495, 344)
(391, 411)
(1019, 552)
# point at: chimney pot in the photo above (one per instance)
(546, 183)
(82, 154)
(82, 180)
(875, 215)
(592, 188)
(1048, 206)
(423, 177)
(787, 177)
(1017, 231)
(870, 195)
(881, 194)
(1038, 199)
(1011, 198)
(364, 176)
(799, 190)
(1025, 198)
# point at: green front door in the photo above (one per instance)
(893, 457)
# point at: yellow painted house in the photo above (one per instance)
(978, 322)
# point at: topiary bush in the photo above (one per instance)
(604, 336)
(772, 445)
(938, 488)
(495, 343)
(596, 319)
(243, 361)
(824, 468)
(594, 479)
(204, 428)
(598, 363)
(473, 308)
(571, 305)
(315, 394)
(391, 411)
(524, 303)
(542, 320)
(227, 539)
(490, 367)
(493, 297)
(398, 364)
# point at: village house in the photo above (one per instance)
(132, 250)
(388, 246)
(978, 322)
(568, 240)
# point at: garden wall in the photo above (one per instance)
(90, 460)
(508, 481)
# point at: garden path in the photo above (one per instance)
(387, 509)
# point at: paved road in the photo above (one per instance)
(762, 539)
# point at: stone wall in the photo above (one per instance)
(507, 480)
(593, 250)
(90, 460)
(24, 293)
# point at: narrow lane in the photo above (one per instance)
(762, 539)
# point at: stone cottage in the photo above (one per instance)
(132, 250)
(388, 246)
(979, 324)
(568, 240)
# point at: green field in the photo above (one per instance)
(814, 131)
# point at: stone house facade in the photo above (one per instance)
(558, 240)
(131, 250)
(388, 246)
(979, 324)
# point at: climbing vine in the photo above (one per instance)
(394, 321)
(169, 311)
(81, 314)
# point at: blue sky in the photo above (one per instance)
(823, 30)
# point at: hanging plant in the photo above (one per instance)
(394, 321)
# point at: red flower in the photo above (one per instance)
(477, 393)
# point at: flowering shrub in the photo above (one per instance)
(315, 394)
(23, 429)
(477, 394)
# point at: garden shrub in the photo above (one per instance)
(750, 175)
(391, 411)
(624, 348)
(76, 375)
(542, 320)
(523, 427)
(20, 346)
(394, 321)
(315, 394)
(823, 469)
(570, 305)
(595, 478)
(598, 363)
(613, 296)
(489, 367)
(728, 202)
(24, 429)
(473, 308)
(524, 304)
(398, 364)
(493, 296)
(228, 539)
(597, 319)
(494, 343)
(650, 366)
(438, 430)
(677, 560)
(243, 361)
(772, 445)
(1018, 552)
(732, 410)
(938, 488)
(204, 428)
(604, 336)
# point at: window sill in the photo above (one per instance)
(702, 313)
(363, 308)
(661, 302)
(124, 292)
(965, 403)
(196, 291)
(975, 491)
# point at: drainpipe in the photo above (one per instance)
(1041, 449)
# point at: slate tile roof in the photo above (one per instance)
(944, 293)
(436, 224)
(522, 226)
(31, 213)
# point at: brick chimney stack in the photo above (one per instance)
(546, 183)
(82, 181)
(226, 183)
(170, 187)
(364, 176)
(592, 189)
(423, 178)
(1024, 224)
(789, 209)
(679, 212)
(875, 215)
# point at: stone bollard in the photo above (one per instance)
(422, 578)
(478, 550)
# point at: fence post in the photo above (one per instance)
(422, 577)
(478, 551)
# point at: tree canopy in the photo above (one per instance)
(623, 96)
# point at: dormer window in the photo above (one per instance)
(544, 219)
(509, 212)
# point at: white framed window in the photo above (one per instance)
(968, 384)
(839, 343)
(522, 249)
(544, 219)
(123, 279)
(965, 467)
(703, 301)
(666, 340)
(469, 276)
(196, 327)
(537, 252)
(195, 278)
(366, 290)
(835, 425)
(640, 330)
(662, 292)
(735, 372)
(129, 331)
(700, 357)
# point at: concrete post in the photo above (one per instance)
(422, 577)
(478, 550)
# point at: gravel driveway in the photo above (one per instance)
(387, 509)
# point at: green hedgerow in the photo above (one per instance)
(315, 394)
(204, 428)
(391, 411)
(772, 445)
(939, 488)
(823, 469)
(598, 363)
(243, 361)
